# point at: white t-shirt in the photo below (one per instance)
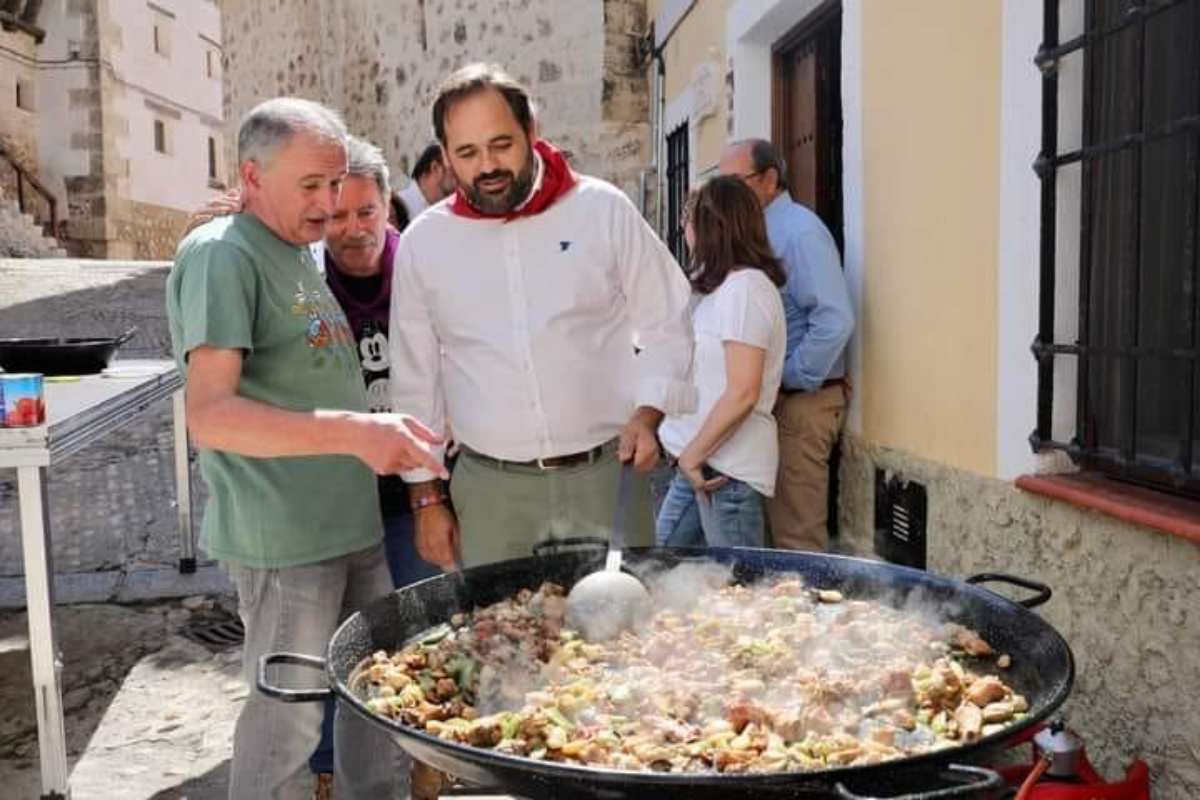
(746, 308)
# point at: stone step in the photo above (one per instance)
(22, 237)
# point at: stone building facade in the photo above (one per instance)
(120, 117)
(26, 218)
(379, 62)
(18, 79)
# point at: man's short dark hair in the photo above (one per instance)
(476, 78)
(429, 156)
(764, 156)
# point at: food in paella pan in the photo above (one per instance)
(769, 677)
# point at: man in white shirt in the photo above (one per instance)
(516, 309)
(431, 181)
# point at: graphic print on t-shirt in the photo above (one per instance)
(326, 325)
(373, 352)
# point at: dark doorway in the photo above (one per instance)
(806, 121)
(807, 112)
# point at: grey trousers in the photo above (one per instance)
(503, 513)
(297, 610)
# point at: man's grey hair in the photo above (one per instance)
(271, 123)
(365, 159)
(764, 156)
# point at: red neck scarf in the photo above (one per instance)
(557, 180)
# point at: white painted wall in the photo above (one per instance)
(1020, 232)
(179, 180)
(178, 82)
(853, 209)
(669, 15)
(58, 74)
(751, 28)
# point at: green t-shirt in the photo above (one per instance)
(236, 285)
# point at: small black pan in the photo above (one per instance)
(75, 356)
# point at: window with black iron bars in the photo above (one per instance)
(1119, 240)
(677, 190)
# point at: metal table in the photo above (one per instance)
(79, 411)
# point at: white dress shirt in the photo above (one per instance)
(413, 199)
(522, 333)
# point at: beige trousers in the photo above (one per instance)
(809, 424)
(503, 513)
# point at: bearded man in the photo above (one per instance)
(538, 313)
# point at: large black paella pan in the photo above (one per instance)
(1042, 670)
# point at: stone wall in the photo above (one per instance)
(86, 192)
(1126, 598)
(379, 62)
(21, 236)
(18, 128)
(112, 505)
(151, 231)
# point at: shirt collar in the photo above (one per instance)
(780, 202)
(538, 171)
(257, 231)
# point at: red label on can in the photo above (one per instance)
(24, 405)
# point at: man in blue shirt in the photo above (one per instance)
(820, 319)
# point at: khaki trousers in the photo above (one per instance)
(503, 513)
(809, 424)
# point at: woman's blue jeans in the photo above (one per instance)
(731, 516)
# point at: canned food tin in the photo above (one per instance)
(24, 404)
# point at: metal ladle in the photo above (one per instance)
(606, 602)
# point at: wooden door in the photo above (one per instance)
(800, 144)
(807, 112)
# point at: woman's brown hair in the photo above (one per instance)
(730, 234)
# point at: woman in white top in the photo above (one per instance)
(727, 450)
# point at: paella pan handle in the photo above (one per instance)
(290, 695)
(570, 544)
(983, 780)
(126, 336)
(1043, 591)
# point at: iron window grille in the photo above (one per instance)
(1136, 349)
(677, 190)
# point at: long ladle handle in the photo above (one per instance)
(620, 518)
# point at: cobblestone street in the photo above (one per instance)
(149, 713)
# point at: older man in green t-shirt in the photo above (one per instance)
(277, 406)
